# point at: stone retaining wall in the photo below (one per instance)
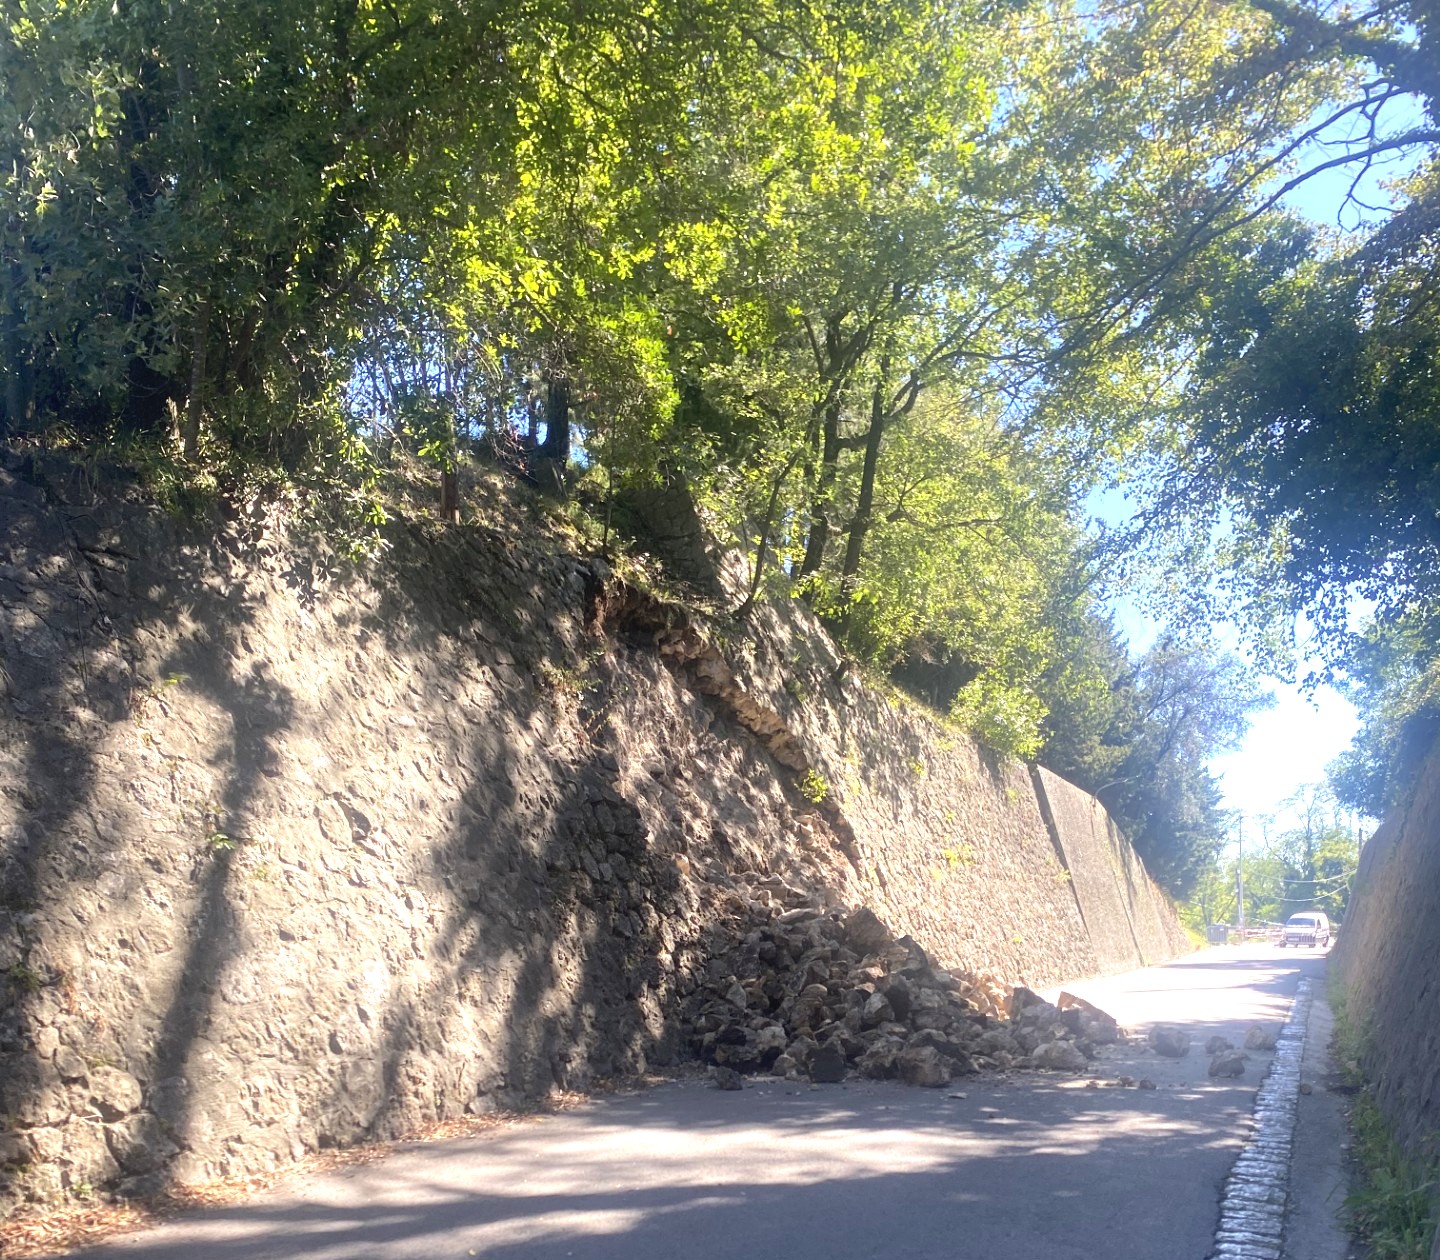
(1385, 959)
(292, 857)
(1131, 923)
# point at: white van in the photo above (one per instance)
(1310, 927)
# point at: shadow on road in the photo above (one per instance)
(1047, 1170)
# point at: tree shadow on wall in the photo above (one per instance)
(48, 623)
(258, 709)
(546, 959)
(110, 578)
(542, 968)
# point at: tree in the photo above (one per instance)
(244, 196)
(1393, 678)
(1336, 373)
(889, 288)
(1319, 854)
(224, 185)
(1298, 475)
(1168, 714)
(974, 574)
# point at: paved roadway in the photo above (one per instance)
(1036, 1165)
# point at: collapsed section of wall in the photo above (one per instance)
(945, 840)
(292, 856)
(1385, 957)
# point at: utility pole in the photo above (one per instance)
(1240, 874)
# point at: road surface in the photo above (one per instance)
(1033, 1165)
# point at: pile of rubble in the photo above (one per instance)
(823, 994)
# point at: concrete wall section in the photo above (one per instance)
(1157, 927)
(1132, 923)
(1091, 850)
(951, 843)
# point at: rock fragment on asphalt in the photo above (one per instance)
(1169, 1041)
(827, 1064)
(1261, 1036)
(1229, 1063)
(1091, 1022)
(1060, 1056)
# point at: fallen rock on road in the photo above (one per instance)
(1169, 1041)
(1228, 1063)
(823, 994)
(1261, 1036)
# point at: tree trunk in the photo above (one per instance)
(449, 496)
(836, 362)
(817, 539)
(865, 503)
(190, 435)
(766, 526)
(15, 401)
(556, 445)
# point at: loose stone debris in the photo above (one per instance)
(1261, 1036)
(1228, 1063)
(1098, 1026)
(1167, 1040)
(826, 994)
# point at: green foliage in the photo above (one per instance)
(25, 979)
(217, 840)
(1392, 1208)
(1351, 1041)
(564, 682)
(193, 210)
(960, 855)
(813, 786)
(1336, 373)
(1394, 682)
(1307, 865)
(1138, 735)
(142, 698)
(1392, 1203)
(888, 288)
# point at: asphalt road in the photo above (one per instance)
(1034, 1165)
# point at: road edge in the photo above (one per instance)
(1252, 1204)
